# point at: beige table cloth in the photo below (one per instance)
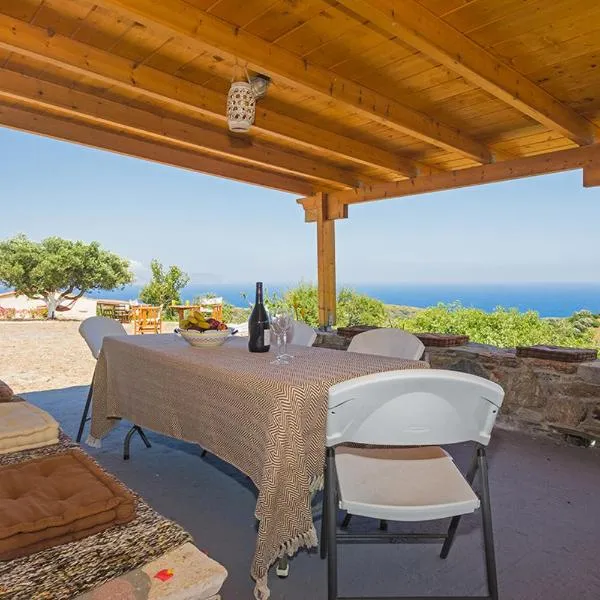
(267, 420)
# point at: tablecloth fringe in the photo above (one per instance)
(93, 442)
(307, 539)
(317, 484)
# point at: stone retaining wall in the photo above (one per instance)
(541, 395)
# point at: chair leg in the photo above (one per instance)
(143, 436)
(127, 441)
(86, 410)
(456, 520)
(346, 521)
(331, 510)
(488, 534)
(323, 540)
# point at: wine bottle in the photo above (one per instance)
(259, 330)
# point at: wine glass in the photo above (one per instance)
(289, 329)
(279, 324)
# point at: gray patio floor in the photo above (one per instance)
(545, 504)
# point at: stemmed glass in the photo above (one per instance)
(289, 329)
(281, 321)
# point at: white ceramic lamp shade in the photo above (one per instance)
(241, 106)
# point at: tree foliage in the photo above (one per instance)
(359, 309)
(59, 271)
(502, 327)
(164, 287)
(352, 308)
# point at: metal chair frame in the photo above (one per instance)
(330, 537)
(132, 430)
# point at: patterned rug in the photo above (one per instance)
(63, 572)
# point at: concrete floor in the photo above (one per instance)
(545, 506)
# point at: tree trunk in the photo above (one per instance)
(51, 303)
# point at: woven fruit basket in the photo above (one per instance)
(204, 339)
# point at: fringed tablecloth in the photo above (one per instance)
(267, 420)
(63, 572)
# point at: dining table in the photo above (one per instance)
(266, 419)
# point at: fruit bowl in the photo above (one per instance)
(204, 339)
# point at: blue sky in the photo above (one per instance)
(537, 229)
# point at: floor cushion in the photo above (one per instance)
(184, 573)
(57, 499)
(24, 426)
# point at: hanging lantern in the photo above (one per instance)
(241, 107)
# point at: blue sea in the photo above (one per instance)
(548, 299)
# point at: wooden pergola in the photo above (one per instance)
(369, 99)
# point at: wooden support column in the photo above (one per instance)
(591, 175)
(325, 261)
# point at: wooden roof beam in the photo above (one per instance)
(63, 129)
(415, 25)
(50, 48)
(67, 101)
(586, 157)
(200, 29)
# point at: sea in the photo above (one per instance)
(548, 299)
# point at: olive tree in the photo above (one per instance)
(59, 271)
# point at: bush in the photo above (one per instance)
(164, 287)
(359, 309)
(505, 328)
(7, 314)
(38, 313)
(303, 300)
(352, 308)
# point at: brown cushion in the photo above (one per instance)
(57, 499)
(6, 393)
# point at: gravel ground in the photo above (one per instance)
(45, 355)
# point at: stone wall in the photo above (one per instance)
(541, 395)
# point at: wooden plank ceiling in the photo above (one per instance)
(364, 92)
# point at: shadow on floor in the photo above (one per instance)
(544, 499)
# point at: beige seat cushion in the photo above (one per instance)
(6, 393)
(195, 576)
(24, 426)
(402, 484)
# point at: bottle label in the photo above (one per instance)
(267, 333)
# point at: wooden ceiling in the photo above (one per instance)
(366, 94)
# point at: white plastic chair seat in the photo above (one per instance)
(402, 484)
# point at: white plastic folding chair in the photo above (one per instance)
(419, 410)
(396, 343)
(93, 330)
(388, 342)
(302, 334)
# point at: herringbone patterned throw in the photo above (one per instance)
(267, 420)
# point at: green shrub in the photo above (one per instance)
(502, 327)
(359, 309)
(164, 287)
(352, 308)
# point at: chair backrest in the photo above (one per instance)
(418, 407)
(388, 342)
(302, 334)
(94, 329)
